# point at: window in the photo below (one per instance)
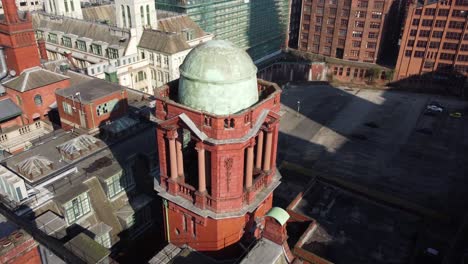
(415, 22)
(348, 71)
(96, 49)
(327, 49)
(450, 46)
(360, 14)
(370, 54)
(464, 47)
(77, 208)
(66, 6)
(52, 38)
(419, 54)
(166, 60)
(341, 42)
(67, 108)
(359, 24)
(345, 12)
(462, 58)
(408, 53)
(328, 40)
(81, 45)
(376, 15)
(66, 41)
(318, 28)
(461, 2)
(413, 32)
(410, 43)
(443, 12)
(437, 34)
(342, 32)
(446, 56)
(330, 30)
(456, 24)
(39, 34)
(428, 64)
(72, 6)
(318, 20)
(142, 55)
(459, 13)
(418, 11)
(424, 33)
(107, 107)
(371, 45)
(429, 11)
(104, 240)
(117, 183)
(375, 25)
(112, 53)
(330, 21)
(38, 99)
(427, 22)
(141, 76)
(129, 17)
(373, 35)
(361, 3)
(434, 45)
(421, 44)
(355, 53)
(378, 4)
(344, 22)
(440, 23)
(356, 44)
(453, 35)
(332, 11)
(357, 34)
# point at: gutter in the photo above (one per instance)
(167, 221)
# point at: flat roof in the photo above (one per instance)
(90, 90)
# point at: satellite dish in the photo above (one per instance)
(13, 73)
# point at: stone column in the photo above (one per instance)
(267, 161)
(258, 163)
(171, 136)
(180, 159)
(249, 167)
(201, 168)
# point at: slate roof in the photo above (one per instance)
(91, 90)
(100, 13)
(8, 109)
(178, 24)
(87, 249)
(165, 42)
(81, 28)
(33, 78)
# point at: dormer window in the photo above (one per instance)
(39, 34)
(112, 53)
(77, 208)
(96, 49)
(118, 183)
(52, 38)
(188, 33)
(66, 41)
(81, 45)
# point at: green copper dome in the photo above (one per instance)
(218, 78)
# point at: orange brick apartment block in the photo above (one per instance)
(434, 39)
(91, 104)
(345, 29)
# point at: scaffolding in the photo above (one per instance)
(259, 26)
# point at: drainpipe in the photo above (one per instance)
(3, 66)
(167, 222)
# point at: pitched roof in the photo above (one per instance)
(165, 42)
(180, 23)
(81, 28)
(100, 13)
(91, 90)
(34, 78)
(8, 109)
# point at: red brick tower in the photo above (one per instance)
(217, 171)
(17, 36)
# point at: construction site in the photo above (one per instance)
(373, 176)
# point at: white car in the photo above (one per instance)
(435, 108)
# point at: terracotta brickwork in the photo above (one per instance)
(17, 36)
(31, 109)
(434, 39)
(345, 29)
(19, 248)
(85, 114)
(224, 174)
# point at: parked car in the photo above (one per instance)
(434, 108)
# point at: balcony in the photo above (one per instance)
(19, 138)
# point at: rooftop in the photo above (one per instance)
(34, 78)
(165, 42)
(91, 90)
(8, 109)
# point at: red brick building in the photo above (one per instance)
(34, 92)
(17, 36)
(347, 29)
(19, 248)
(91, 104)
(435, 39)
(218, 166)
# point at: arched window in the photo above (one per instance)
(38, 99)
(72, 6)
(129, 17)
(124, 19)
(148, 19)
(142, 14)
